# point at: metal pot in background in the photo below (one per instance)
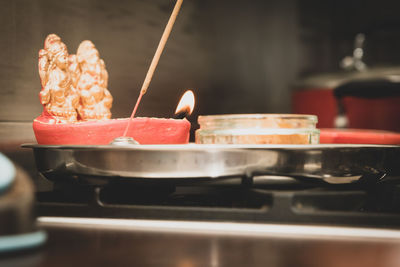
(358, 97)
(18, 230)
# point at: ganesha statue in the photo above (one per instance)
(58, 96)
(90, 78)
(74, 87)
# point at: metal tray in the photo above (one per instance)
(337, 164)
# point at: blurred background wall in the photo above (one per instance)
(237, 56)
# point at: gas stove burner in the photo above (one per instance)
(293, 203)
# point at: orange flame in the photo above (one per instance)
(186, 104)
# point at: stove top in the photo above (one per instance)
(281, 201)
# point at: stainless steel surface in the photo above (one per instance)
(328, 81)
(355, 62)
(163, 243)
(330, 163)
(227, 228)
(124, 140)
(354, 68)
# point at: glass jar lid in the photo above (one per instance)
(214, 122)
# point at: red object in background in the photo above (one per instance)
(143, 130)
(316, 102)
(358, 136)
(380, 113)
(362, 113)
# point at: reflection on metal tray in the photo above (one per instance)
(329, 163)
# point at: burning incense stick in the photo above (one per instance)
(155, 60)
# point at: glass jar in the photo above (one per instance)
(258, 129)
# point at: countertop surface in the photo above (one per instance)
(160, 243)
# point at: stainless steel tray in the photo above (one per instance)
(330, 163)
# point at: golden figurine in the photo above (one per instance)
(58, 95)
(91, 78)
(74, 71)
